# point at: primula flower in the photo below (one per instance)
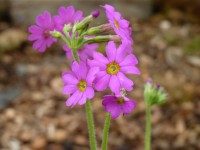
(67, 16)
(117, 104)
(78, 83)
(40, 33)
(84, 53)
(113, 69)
(119, 25)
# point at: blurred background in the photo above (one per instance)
(33, 115)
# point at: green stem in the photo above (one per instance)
(105, 132)
(89, 113)
(90, 122)
(75, 55)
(102, 38)
(148, 128)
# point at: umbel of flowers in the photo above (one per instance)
(91, 70)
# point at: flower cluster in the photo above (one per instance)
(91, 70)
(154, 94)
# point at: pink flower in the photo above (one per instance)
(113, 69)
(117, 104)
(119, 25)
(84, 53)
(67, 16)
(78, 83)
(40, 33)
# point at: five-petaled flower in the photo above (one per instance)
(40, 33)
(119, 25)
(78, 83)
(115, 104)
(113, 69)
(67, 16)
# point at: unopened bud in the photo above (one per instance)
(56, 34)
(66, 28)
(96, 13)
(154, 94)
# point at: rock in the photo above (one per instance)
(173, 56)
(10, 113)
(11, 39)
(158, 42)
(60, 135)
(57, 85)
(26, 136)
(38, 96)
(80, 140)
(14, 145)
(38, 142)
(165, 25)
(194, 60)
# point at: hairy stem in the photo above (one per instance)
(90, 122)
(148, 128)
(106, 132)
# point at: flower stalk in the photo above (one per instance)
(148, 128)
(90, 122)
(106, 132)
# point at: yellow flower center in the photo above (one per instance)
(116, 24)
(120, 100)
(82, 85)
(112, 68)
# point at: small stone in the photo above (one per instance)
(80, 140)
(39, 142)
(38, 96)
(10, 113)
(173, 56)
(60, 135)
(194, 60)
(165, 25)
(57, 85)
(25, 136)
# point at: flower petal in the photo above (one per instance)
(130, 69)
(111, 51)
(83, 99)
(80, 69)
(100, 57)
(108, 99)
(74, 98)
(125, 82)
(89, 92)
(91, 75)
(102, 83)
(128, 106)
(69, 79)
(69, 89)
(114, 84)
(129, 60)
(114, 109)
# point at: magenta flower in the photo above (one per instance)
(119, 25)
(40, 33)
(113, 69)
(117, 104)
(78, 83)
(67, 16)
(84, 53)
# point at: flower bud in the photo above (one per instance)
(66, 28)
(96, 13)
(154, 94)
(56, 34)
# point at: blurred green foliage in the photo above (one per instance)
(192, 46)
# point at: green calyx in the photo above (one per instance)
(154, 95)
